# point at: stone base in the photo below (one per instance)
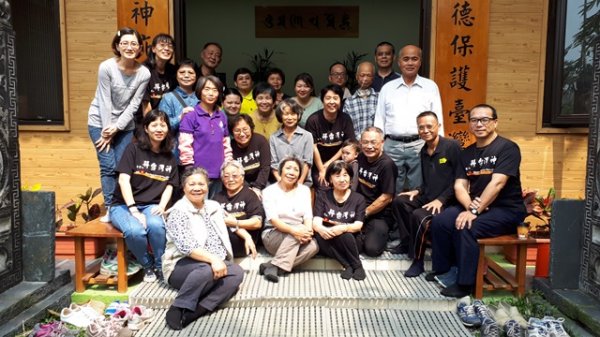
(572, 302)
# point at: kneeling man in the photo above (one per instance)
(488, 189)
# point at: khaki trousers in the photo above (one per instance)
(287, 251)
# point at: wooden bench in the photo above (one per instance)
(491, 276)
(83, 277)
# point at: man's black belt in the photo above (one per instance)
(403, 139)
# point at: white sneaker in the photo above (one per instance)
(74, 317)
(106, 217)
(89, 312)
(555, 327)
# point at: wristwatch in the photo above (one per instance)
(474, 211)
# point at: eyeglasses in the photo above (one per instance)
(163, 45)
(131, 44)
(337, 74)
(234, 176)
(240, 131)
(483, 121)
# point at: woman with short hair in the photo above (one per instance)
(288, 234)
(243, 210)
(198, 257)
(203, 133)
(338, 217)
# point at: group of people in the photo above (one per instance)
(200, 173)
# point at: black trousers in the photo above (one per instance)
(343, 248)
(375, 233)
(413, 224)
(237, 243)
(196, 285)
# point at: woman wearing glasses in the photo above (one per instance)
(162, 71)
(121, 85)
(251, 151)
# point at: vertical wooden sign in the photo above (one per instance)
(148, 17)
(461, 57)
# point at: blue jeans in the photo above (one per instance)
(137, 237)
(109, 160)
(408, 160)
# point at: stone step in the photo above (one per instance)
(381, 290)
(386, 261)
(315, 321)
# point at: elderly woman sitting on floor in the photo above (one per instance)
(197, 259)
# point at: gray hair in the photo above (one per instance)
(373, 129)
(193, 171)
(233, 163)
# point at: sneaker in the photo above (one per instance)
(140, 315)
(121, 317)
(116, 306)
(110, 266)
(514, 313)
(554, 325)
(430, 277)
(106, 217)
(74, 317)
(466, 312)
(98, 306)
(447, 279)
(500, 314)
(149, 275)
(457, 291)
(489, 328)
(482, 310)
(537, 328)
(512, 328)
(88, 311)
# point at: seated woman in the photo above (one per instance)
(197, 260)
(147, 174)
(291, 141)
(288, 234)
(339, 214)
(243, 210)
(252, 151)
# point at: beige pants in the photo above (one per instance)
(287, 251)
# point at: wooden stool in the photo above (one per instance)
(491, 276)
(97, 229)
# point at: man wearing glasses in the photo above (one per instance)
(338, 74)
(488, 190)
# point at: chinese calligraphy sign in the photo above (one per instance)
(148, 17)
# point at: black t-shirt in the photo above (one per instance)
(243, 205)
(150, 174)
(439, 171)
(351, 210)
(256, 159)
(377, 177)
(328, 136)
(160, 84)
(500, 156)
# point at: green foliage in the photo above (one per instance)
(73, 207)
(261, 63)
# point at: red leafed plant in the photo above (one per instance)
(539, 211)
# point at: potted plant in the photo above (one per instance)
(539, 214)
(65, 247)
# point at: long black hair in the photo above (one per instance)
(162, 37)
(166, 146)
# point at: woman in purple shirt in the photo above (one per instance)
(203, 135)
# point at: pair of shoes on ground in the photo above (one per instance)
(135, 318)
(79, 316)
(358, 274)
(509, 318)
(50, 329)
(110, 267)
(547, 326)
(477, 314)
(116, 306)
(107, 327)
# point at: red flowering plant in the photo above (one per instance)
(539, 211)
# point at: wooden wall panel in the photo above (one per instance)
(65, 161)
(517, 36)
